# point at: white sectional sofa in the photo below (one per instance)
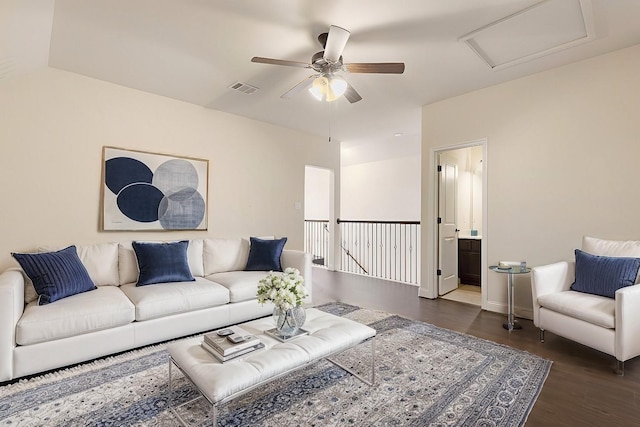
(118, 315)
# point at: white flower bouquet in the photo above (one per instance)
(286, 290)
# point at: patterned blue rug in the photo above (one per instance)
(425, 376)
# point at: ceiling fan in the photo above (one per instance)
(325, 84)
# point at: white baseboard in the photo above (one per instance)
(499, 307)
(422, 292)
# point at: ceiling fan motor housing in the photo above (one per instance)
(319, 63)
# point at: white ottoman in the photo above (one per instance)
(221, 382)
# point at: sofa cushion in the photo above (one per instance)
(614, 248)
(106, 307)
(264, 255)
(225, 255)
(602, 275)
(162, 262)
(128, 264)
(100, 260)
(590, 308)
(195, 257)
(242, 285)
(55, 275)
(165, 299)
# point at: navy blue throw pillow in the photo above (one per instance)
(55, 275)
(264, 255)
(601, 275)
(162, 262)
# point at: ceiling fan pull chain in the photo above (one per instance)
(330, 105)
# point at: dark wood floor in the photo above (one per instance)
(582, 388)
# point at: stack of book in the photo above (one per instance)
(224, 349)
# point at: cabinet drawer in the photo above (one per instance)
(464, 245)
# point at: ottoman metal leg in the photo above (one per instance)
(357, 375)
(173, 408)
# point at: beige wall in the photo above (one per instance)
(53, 125)
(384, 190)
(563, 150)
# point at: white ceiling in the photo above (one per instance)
(193, 50)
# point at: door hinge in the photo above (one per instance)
(439, 168)
(439, 220)
(438, 272)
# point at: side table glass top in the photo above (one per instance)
(513, 270)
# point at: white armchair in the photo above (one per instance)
(610, 325)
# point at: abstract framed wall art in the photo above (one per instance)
(149, 191)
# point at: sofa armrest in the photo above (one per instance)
(11, 308)
(302, 261)
(550, 278)
(627, 315)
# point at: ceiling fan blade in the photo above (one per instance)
(305, 84)
(336, 42)
(375, 67)
(351, 94)
(262, 60)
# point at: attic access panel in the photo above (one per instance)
(539, 30)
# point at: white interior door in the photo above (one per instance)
(447, 230)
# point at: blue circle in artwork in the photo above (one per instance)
(140, 202)
(174, 175)
(184, 210)
(120, 172)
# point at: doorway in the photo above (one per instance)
(461, 229)
(319, 215)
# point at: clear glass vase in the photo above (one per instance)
(289, 321)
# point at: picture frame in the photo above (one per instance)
(145, 191)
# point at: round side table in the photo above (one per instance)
(510, 272)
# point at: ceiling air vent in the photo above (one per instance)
(244, 88)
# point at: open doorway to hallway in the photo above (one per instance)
(318, 214)
(460, 224)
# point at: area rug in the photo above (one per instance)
(425, 376)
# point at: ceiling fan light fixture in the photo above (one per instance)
(319, 88)
(338, 86)
(327, 90)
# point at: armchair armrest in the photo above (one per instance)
(11, 308)
(550, 278)
(627, 315)
(302, 261)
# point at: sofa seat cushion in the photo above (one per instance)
(242, 285)
(103, 308)
(164, 299)
(590, 308)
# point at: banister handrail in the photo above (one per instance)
(340, 221)
(353, 258)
